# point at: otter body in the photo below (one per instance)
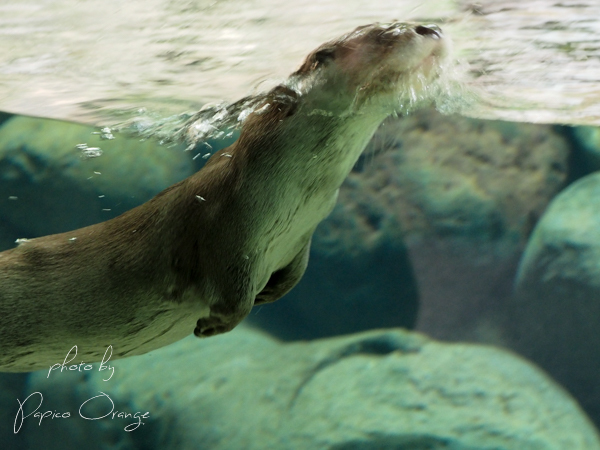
(199, 255)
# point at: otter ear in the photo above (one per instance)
(324, 55)
(315, 60)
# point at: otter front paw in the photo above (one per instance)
(211, 326)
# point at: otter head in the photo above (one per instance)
(386, 67)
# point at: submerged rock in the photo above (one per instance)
(467, 194)
(58, 176)
(556, 311)
(375, 390)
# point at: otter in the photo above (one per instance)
(199, 255)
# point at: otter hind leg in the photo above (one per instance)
(283, 280)
(237, 299)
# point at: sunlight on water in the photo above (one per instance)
(86, 61)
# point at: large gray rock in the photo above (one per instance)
(48, 185)
(387, 389)
(556, 310)
(467, 193)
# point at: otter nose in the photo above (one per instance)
(430, 30)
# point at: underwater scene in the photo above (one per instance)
(390, 239)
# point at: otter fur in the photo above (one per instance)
(199, 255)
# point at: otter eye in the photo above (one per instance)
(324, 55)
